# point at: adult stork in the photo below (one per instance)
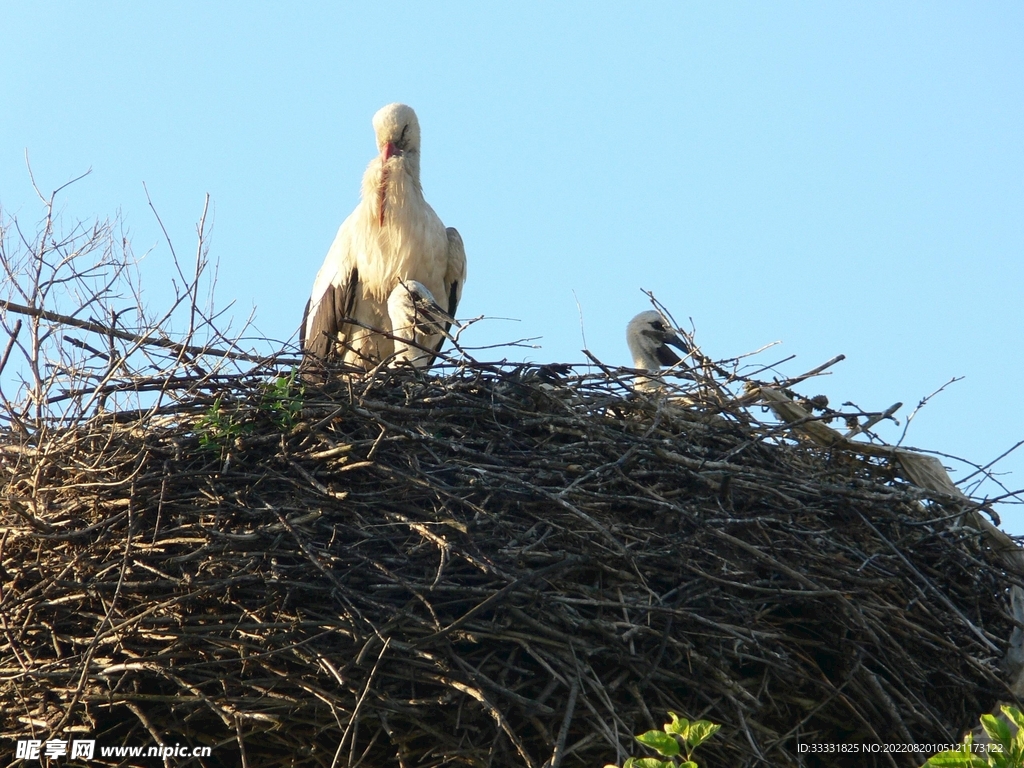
(392, 236)
(648, 336)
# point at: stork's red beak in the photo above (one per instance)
(389, 150)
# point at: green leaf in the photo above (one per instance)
(1018, 744)
(650, 762)
(680, 726)
(701, 731)
(997, 730)
(689, 764)
(664, 743)
(955, 759)
(1014, 715)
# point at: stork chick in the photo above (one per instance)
(648, 336)
(416, 319)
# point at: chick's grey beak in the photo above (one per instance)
(676, 342)
(666, 356)
(432, 312)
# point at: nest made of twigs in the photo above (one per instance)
(498, 566)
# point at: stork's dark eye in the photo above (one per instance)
(658, 325)
(401, 139)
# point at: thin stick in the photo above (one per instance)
(143, 339)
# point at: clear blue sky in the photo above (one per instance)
(844, 178)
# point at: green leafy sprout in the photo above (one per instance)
(676, 742)
(219, 428)
(1005, 751)
(281, 400)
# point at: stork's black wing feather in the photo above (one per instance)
(453, 304)
(328, 318)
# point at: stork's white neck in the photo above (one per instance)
(644, 357)
(393, 184)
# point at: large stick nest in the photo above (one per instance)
(491, 567)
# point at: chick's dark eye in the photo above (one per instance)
(658, 325)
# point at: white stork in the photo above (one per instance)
(392, 236)
(648, 336)
(416, 319)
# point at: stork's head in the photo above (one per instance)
(398, 139)
(413, 310)
(648, 335)
(398, 131)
